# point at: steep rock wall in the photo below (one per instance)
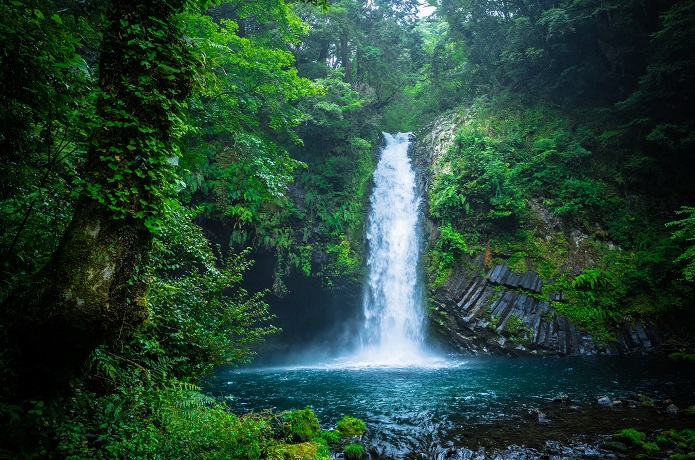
(497, 310)
(485, 306)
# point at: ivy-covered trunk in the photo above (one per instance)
(94, 287)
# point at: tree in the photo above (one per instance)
(94, 286)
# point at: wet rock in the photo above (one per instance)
(499, 311)
(541, 417)
(604, 401)
(617, 403)
(672, 409)
(561, 398)
(644, 401)
(642, 336)
(615, 446)
(502, 275)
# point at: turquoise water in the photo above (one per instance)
(428, 410)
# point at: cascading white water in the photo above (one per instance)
(393, 328)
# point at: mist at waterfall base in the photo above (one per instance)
(364, 354)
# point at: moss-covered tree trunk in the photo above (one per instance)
(94, 287)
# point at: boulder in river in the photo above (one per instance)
(672, 409)
(604, 401)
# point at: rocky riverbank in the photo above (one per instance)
(497, 310)
(560, 428)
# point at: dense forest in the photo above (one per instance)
(151, 150)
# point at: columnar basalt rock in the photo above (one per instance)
(505, 312)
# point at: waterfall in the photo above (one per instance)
(393, 313)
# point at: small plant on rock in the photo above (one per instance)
(300, 425)
(354, 451)
(329, 437)
(350, 426)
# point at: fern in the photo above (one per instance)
(686, 232)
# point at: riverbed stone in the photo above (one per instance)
(615, 446)
(561, 398)
(604, 401)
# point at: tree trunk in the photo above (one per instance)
(323, 53)
(345, 56)
(94, 287)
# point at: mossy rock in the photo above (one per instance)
(615, 446)
(651, 446)
(300, 425)
(665, 440)
(350, 426)
(303, 451)
(687, 357)
(630, 437)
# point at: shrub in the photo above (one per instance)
(354, 451)
(350, 426)
(329, 437)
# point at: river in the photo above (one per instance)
(468, 403)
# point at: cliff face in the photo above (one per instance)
(496, 310)
(487, 304)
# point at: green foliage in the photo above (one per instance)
(515, 327)
(300, 425)
(295, 208)
(687, 357)
(354, 451)
(451, 243)
(449, 249)
(630, 436)
(305, 451)
(233, 159)
(150, 416)
(670, 444)
(329, 437)
(198, 313)
(44, 112)
(513, 170)
(350, 426)
(147, 71)
(686, 232)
